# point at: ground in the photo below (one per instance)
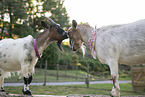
(5, 94)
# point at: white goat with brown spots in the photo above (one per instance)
(124, 44)
(22, 54)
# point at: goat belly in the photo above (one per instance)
(13, 52)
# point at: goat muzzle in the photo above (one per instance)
(65, 36)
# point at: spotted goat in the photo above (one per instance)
(124, 44)
(22, 54)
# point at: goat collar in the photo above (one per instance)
(91, 43)
(36, 50)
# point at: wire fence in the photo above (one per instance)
(61, 73)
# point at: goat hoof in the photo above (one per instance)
(111, 95)
(27, 92)
(2, 90)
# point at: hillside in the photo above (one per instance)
(68, 57)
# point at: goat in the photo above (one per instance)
(124, 44)
(22, 54)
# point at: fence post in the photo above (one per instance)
(87, 80)
(57, 71)
(132, 78)
(65, 70)
(45, 73)
(40, 68)
(40, 65)
(76, 72)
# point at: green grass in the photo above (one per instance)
(70, 75)
(95, 89)
(64, 76)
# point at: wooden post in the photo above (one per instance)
(76, 72)
(45, 73)
(40, 68)
(57, 72)
(132, 78)
(65, 70)
(40, 65)
(88, 75)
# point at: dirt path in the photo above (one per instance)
(5, 94)
(66, 83)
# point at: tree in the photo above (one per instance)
(51, 54)
(11, 14)
(57, 11)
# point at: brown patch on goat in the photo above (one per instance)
(76, 37)
(52, 33)
(42, 37)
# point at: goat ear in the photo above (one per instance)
(74, 24)
(44, 24)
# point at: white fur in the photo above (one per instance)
(124, 44)
(14, 57)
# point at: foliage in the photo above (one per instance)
(84, 68)
(51, 54)
(11, 12)
(66, 56)
(74, 60)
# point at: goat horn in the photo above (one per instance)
(51, 20)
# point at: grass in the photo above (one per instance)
(70, 75)
(95, 89)
(64, 76)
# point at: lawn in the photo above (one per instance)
(70, 75)
(63, 76)
(95, 89)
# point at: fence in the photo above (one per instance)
(62, 73)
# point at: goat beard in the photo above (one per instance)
(83, 47)
(59, 45)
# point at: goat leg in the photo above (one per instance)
(27, 81)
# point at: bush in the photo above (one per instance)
(84, 68)
(123, 75)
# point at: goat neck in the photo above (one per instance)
(43, 40)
